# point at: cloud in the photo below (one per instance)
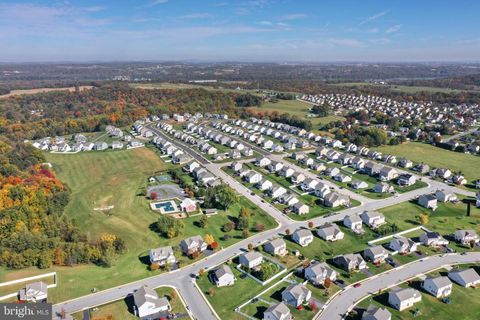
(294, 16)
(346, 42)
(156, 3)
(373, 30)
(394, 28)
(265, 23)
(374, 17)
(380, 41)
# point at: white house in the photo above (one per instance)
(354, 223)
(466, 237)
(277, 191)
(330, 232)
(318, 272)
(162, 256)
(276, 247)
(303, 237)
(375, 254)
(277, 311)
(223, 276)
(147, 302)
(34, 292)
(402, 299)
(433, 239)
(373, 219)
(264, 185)
(438, 287)
(296, 294)
(262, 161)
(466, 277)
(403, 245)
(250, 259)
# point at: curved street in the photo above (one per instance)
(341, 304)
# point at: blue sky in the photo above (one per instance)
(240, 30)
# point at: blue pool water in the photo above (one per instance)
(166, 206)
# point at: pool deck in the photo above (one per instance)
(162, 209)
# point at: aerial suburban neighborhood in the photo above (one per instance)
(242, 160)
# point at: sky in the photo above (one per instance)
(240, 30)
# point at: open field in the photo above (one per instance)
(118, 178)
(408, 89)
(437, 157)
(41, 90)
(298, 108)
(177, 86)
(461, 306)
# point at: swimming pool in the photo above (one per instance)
(165, 206)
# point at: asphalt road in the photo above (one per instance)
(181, 278)
(341, 304)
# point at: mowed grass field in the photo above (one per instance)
(100, 179)
(298, 108)
(408, 89)
(437, 157)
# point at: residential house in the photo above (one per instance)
(321, 190)
(405, 163)
(383, 187)
(334, 199)
(318, 166)
(148, 304)
(375, 254)
(303, 237)
(403, 245)
(288, 199)
(277, 311)
(428, 201)
(296, 294)
(277, 191)
(403, 298)
(330, 232)
(354, 223)
(236, 166)
(309, 184)
(223, 276)
(276, 247)
(342, 178)
(318, 272)
(459, 180)
(297, 177)
(350, 262)
(100, 145)
(300, 208)
(275, 166)
(466, 237)
(34, 292)
(406, 179)
(422, 168)
(251, 259)
(191, 166)
(387, 174)
(264, 185)
(286, 172)
(373, 219)
(359, 184)
(376, 313)
(193, 244)
(432, 239)
(331, 171)
(464, 277)
(162, 256)
(253, 177)
(445, 196)
(262, 161)
(439, 287)
(371, 168)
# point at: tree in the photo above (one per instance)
(245, 212)
(321, 111)
(423, 219)
(259, 227)
(267, 270)
(214, 245)
(287, 232)
(154, 266)
(327, 283)
(243, 223)
(310, 224)
(226, 196)
(209, 239)
(229, 226)
(211, 292)
(169, 226)
(203, 222)
(250, 246)
(245, 234)
(153, 195)
(313, 306)
(201, 272)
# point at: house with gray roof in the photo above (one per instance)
(303, 237)
(223, 276)
(403, 245)
(276, 247)
(376, 313)
(296, 294)
(330, 232)
(466, 237)
(251, 259)
(34, 292)
(375, 254)
(465, 277)
(402, 299)
(439, 287)
(148, 304)
(162, 256)
(193, 244)
(317, 272)
(349, 262)
(277, 311)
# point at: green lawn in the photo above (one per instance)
(445, 220)
(298, 108)
(408, 89)
(437, 157)
(119, 178)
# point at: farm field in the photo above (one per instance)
(298, 108)
(118, 178)
(437, 157)
(178, 86)
(408, 89)
(41, 90)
